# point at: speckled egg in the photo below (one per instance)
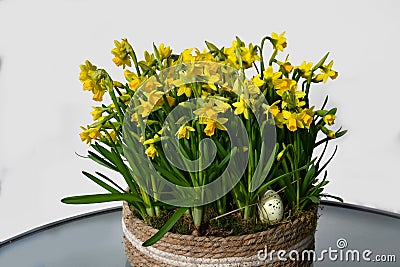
(271, 207)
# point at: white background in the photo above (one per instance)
(42, 105)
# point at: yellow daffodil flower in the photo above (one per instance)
(186, 55)
(293, 120)
(134, 117)
(257, 80)
(212, 124)
(249, 55)
(203, 56)
(331, 134)
(288, 67)
(92, 80)
(184, 131)
(84, 74)
(184, 89)
(279, 41)
(90, 134)
(149, 59)
(241, 108)
(156, 138)
(327, 72)
(121, 53)
(308, 115)
(133, 79)
(144, 108)
(154, 97)
(329, 119)
(97, 113)
(270, 76)
(211, 108)
(285, 84)
(164, 52)
(151, 151)
(279, 156)
(305, 69)
(273, 109)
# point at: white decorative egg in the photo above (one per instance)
(270, 207)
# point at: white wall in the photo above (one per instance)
(42, 105)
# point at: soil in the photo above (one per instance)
(229, 225)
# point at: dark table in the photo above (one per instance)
(95, 239)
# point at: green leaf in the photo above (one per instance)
(166, 227)
(314, 199)
(308, 179)
(322, 61)
(334, 197)
(340, 133)
(100, 198)
(258, 176)
(100, 182)
(270, 182)
(102, 161)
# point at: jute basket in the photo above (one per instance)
(245, 250)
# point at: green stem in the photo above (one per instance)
(197, 214)
(273, 57)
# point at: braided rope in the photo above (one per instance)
(207, 251)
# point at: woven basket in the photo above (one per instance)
(245, 250)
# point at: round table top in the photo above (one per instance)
(95, 239)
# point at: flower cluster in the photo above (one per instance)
(164, 80)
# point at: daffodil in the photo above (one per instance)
(273, 109)
(308, 115)
(203, 56)
(149, 59)
(118, 84)
(134, 117)
(327, 72)
(230, 54)
(156, 138)
(144, 108)
(249, 55)
(329, 133)
(329, 119)
(186, 55)
(133, 79)
(291, 98)
(285, 84)
(164, 52)
(184, 89)
(92, 80)
(257, 80)
(305, 69)
(151, 151)
(211, 108)
(97, 113)
(279, 156)
(121, 53)
(154, 97)
(184, 131)
(241, 108)
(85, 69)
(293, 121)
(89, 134)
(212, 124)
(270, 76)
(279, 41)
(151, 84)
